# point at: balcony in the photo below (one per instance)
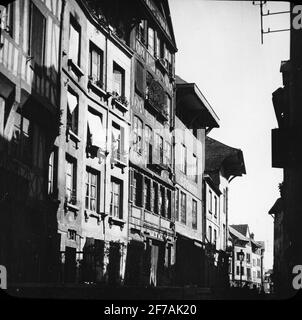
(158, 109)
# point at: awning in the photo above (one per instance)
(97, 131)
(6, 87)
(72, 101)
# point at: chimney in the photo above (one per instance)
(252, 236)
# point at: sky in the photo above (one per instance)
(219, 48)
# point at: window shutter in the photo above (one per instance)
(140, 79)
(37, 35)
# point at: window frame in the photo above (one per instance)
(89, 172)
(116, 182)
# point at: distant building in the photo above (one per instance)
(222, 164)
(250, 271)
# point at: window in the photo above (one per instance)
(37, 35)
(224, 236)
(254, 263)
(74, 41)
(183, 208)
(258, 274)
(169, 107)
(194, 214)
(177, 205)
(92, 190)
(96, 65)
(258, 262)
(116, 209)
(155, 197)
(183, 158)
(117, 142)
(8, 18)
(95, 130)
(151, 40)
(137, 189)
(22, 139)
(215, 236)
(224, 200)
(141, 31)
(210, 201)
(168, 153)
(215, 207)
(138, 135)
(210, 234)
(158, 47)
(248, 273)
(160, 148)
(168, 204)
(238, 256)
(118, 79)
(237, 270)
(242, 271)
(72, 234)
(195, 164)
(52, 172)
(162, 201)
(254, 275)
(70, 191)
(147, 194)
(72, 111)
(248, 258)
(148, 144)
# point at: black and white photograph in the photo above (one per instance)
(150, 152)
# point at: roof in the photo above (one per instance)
(192, 106)
(218, 155)
(242, 228)
(237, 234)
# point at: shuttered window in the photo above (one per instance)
(37, 35)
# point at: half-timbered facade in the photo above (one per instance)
(30, 119)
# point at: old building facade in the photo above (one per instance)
(29, 123)
(193, 117)
(222, 164)
(247, 270)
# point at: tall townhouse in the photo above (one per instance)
(194, 116)
(88, 166)
(151, 192)
(222, 164)
(29, 124)
(247, 267)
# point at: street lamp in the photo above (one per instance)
(241, 257)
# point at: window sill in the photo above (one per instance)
(116, 221)
(121, 106)
(98, 90)
(71, 135)
(118, 163)
(71, 207)
(75, 68)
(94, 214)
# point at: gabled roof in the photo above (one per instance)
(242, 228)
(219, 155)
(234, 233)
